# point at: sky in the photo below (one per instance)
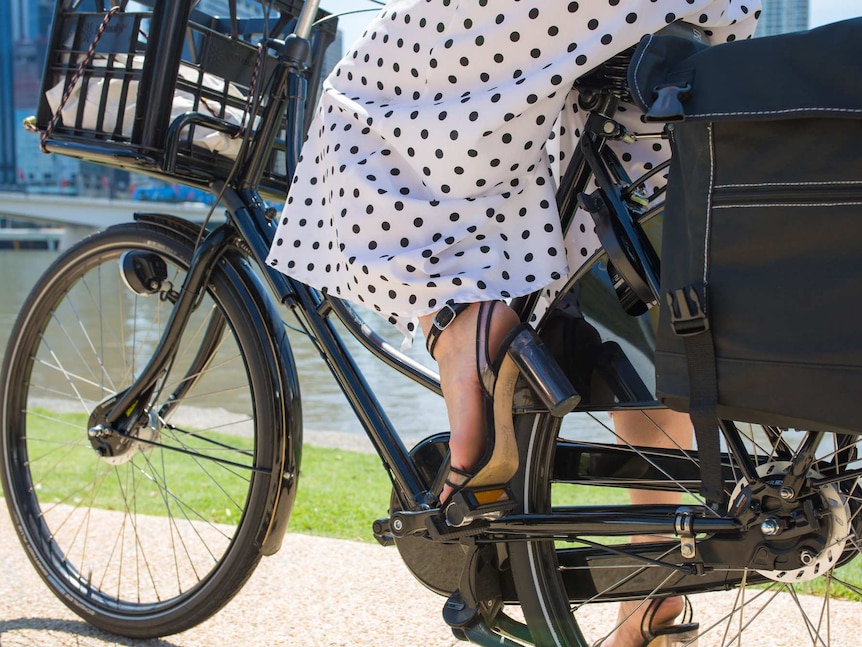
(825, 11)
(820, 13)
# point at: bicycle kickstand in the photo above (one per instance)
(470, 609)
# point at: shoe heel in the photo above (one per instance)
(543, 373)
(502, 463)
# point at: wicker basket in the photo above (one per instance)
(150, 80)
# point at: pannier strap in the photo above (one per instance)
(689, 320)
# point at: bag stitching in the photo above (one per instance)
(773, 112)
(780, 184)
(742, 205)
(641, 56)
(709, 207)
(767, 362)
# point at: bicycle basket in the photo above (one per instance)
(163, 89)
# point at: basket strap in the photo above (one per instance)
(91, 52)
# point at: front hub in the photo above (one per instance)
(117, 447)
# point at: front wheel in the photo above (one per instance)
(802, 580)
(150, 531)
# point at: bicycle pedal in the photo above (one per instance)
(382, 532)
(471, 504)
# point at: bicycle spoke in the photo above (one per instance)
(729, 620)
(645, 455)
(134, 523)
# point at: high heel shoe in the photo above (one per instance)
(681, 634)
(675, 635)
(481, 491)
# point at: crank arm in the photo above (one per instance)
(426, 522)
(465, 515)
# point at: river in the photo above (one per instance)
(414, 411)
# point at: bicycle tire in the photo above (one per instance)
(157, 538)
(550, 599)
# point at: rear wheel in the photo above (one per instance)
(150, 531)
(798, 586)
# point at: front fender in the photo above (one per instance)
(287, 453)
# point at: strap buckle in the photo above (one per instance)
(688, 310)
(668, 103)
(446, 315)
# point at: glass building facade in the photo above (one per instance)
(782, 16)
(7, 93)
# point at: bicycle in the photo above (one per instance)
(127, 409)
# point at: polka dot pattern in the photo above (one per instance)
(430, 167)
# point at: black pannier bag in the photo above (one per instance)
(761, 272)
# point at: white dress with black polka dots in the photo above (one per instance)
(426, 176)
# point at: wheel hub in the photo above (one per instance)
(115, 447)
(815, 552)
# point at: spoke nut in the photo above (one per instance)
(770, 527)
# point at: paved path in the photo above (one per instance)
(327, 592)
(315, 591)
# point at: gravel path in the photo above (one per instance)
(328, 592)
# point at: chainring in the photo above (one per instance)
(436, 564)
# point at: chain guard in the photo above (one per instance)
(435, 564)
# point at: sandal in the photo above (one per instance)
(668, 635)
(676, 635)
(482, 491)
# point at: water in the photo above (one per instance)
(324, 406)
(414, 411)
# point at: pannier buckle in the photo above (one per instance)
(668, 103)
(687, 311)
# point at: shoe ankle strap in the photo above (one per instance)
(444, 317)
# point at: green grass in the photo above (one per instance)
(340, 493)
(67, 470)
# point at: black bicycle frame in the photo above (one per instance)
(250, 221)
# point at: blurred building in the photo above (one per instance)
(25, 26)
(782, 16)
(29, 19)
(7, 94)
(24, 32)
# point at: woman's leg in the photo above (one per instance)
(456, 355)
(654, 428)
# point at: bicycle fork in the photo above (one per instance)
(119, 415)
